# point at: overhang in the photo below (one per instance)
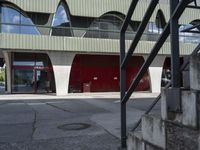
(80, 45)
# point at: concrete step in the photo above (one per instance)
(135, 141)
(188, 117)
(153, 130)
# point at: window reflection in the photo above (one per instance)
(61, 17)
(189, 37)
(108, 26)
(10, 29)
(15, 22)
(61, 22)
(31, 72)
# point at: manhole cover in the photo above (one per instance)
(74, 126)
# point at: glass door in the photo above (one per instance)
(43, 81)
(23, 81)
(40, 80)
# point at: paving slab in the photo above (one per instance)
(53, 124)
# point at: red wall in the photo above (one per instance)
(101, 73)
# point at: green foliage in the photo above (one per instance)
(2, 75)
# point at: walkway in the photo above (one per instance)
(86, 123)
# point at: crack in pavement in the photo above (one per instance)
(34, 120)
(34, 125)
(58, 107)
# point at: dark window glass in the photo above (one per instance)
(32, 73)
(31, 59)
(109, 27)
(23, 81)
(15, 22)
(25, 59)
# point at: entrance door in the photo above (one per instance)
(22, 80)
(32, 73)
(42, 81)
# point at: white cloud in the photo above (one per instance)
(16, 19)
(7, 28)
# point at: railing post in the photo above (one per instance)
(123, 91)
(174, 104)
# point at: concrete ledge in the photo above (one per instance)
(135, 141)
(151, 147)
(189, 109)
(194, 72)
(189, 116)
(153, 130)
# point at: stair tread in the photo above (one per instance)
(136, 134)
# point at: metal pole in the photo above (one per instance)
(174, 94)
(123, 91)
(175, 61)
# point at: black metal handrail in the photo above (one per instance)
(157, 99)
(140, 31)
(125, 95)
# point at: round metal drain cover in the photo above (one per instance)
(74, 126)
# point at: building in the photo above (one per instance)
(66, 46)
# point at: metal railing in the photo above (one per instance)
(125, 95)
(157, 99)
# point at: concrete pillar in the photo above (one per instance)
(155, 73)
(7, 57)
(61, 62)
(194, 72)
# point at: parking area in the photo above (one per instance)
(65, 124)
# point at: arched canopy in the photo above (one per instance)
(61, 22)
(14, 20)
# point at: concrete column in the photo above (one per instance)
(61, 62)
(7, 57)
(155, 73)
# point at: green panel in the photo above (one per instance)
(82, 45)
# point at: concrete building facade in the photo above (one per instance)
(64, 46)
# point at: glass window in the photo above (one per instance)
(152, 28)
(61, 17)
(189, 37)
(108, 26)
(31, 59)
(10, 29)
(23, 81)
(15, 22)
(23, 59)
(60, 22)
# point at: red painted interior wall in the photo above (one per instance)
(100, 73)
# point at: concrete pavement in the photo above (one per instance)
(65, 124)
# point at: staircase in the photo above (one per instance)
(170, 130)
(177, 128)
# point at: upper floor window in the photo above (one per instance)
(61, 21)
(192, 36)
(13, 21)
(108, 26)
